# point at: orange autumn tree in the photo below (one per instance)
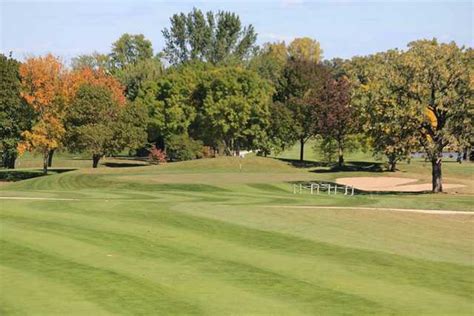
(95, 77)
(42, 87)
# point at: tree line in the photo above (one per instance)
(213, 89)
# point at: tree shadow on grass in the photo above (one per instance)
(328, 167)
(304, 164)
(354, 166)
(123, 164)
(10, 175)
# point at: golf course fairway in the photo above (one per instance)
(206, 238)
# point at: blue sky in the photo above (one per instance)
(344, 28)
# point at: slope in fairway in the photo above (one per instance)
(203, 238)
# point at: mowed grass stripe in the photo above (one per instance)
(307, 296)
(445, 277)
(58, 299)
(203, 243)
(114, 292)
(202, 280)
(214, 295)
(448, 278)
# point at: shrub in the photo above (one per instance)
(156, 156)
(182, 147)
(208, 152)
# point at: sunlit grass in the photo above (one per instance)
(210, 237)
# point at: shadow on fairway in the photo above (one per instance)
(328, 167)
(354, 166)
(18, 175)
(305, 163)
(123, 164)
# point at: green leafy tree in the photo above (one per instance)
(385, 112)
(135, 76)
(423, 94)
(439, 83)
(170, 103)
(337, 67)
(93, 61)
(233, 107)
(209, 37)
(133, 63)
(15, 115)
(130, 49)
(302, 81)
(96, 123)
(270, 62)
(280, 133)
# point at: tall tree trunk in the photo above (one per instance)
(9, 160)
(228, 147)
(95, 160)
(302, 149)
(436, 175)
(392, 166)
(392, 163)
(45, 161)
(237, 149)
(340, 162)
(50, 157)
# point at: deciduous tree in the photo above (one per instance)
(280, 133)
(170, 102)
(233, 107)
(302, 81)
(305, 48)
(439, 83)
(385, 112)
(97, 124)
(93, 61)
(97, 77)
(130, 49)
(209, 37)
(270, 62)
(133, 63)
(333, 114)
(15, 115)
(135, 76)
(43, 89)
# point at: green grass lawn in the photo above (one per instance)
(202, 237)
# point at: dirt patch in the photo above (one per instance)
(391, 184)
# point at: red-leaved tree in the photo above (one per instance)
(333, 114)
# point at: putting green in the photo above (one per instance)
(200, 238)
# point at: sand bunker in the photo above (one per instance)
(391, 184)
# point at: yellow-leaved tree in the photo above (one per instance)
(42, 87)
